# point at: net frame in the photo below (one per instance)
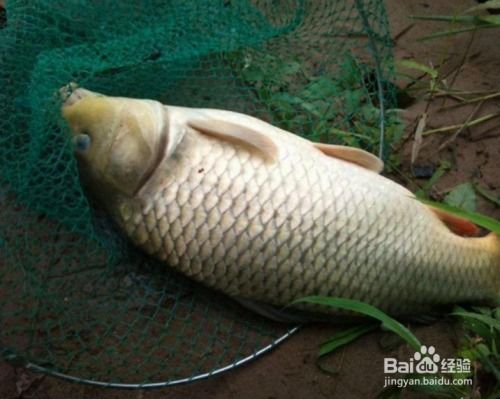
(370, 16)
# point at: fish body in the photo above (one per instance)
(266, 216)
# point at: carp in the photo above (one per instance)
(268, 217)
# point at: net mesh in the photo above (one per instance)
(75, 298)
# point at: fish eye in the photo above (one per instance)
(81, 142)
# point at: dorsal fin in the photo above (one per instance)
(351, 154)
(458, 225)
(237, 133)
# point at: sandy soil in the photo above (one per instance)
(290, 370)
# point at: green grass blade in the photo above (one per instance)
(411, 64)
(493, 4)
(452, 32)
(367, 310)
(489, 321)
(464, 19)
(340, 132)
(475, 21)
(481, 220)
(487, 194)
(344, 337)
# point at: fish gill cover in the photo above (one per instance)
(75, 298)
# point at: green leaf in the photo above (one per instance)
(352, 101)
(350, 73)
(481, 220)
(371, 115)
(478, 328)
(253, 74)
(394, 132)
(462, 196)
(466, 352)
(483, 349)
(283, 69)
(322, 88)
(368, 310)
(344, 337)
(284, 103)
(269, 70)
(312, 108)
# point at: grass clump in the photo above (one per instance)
(343, 109)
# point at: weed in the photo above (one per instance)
(342, 110)
(465, 22)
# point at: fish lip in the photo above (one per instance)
(160, 156)
(71, 94)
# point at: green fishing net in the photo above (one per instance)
(75, 299)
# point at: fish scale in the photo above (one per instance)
(335, 259)
(272, 230)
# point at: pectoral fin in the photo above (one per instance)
(351, 154)
(459, 226)
(237, 133)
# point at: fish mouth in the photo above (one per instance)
(70, 94)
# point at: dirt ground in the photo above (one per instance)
(290, 370)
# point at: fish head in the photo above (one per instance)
(118, 141)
